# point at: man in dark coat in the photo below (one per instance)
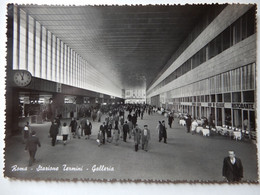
(103, 128)
(232, 168)
(31, 146)
(164, 132)
(54, 130)
(125, 130)
(188, 122)
(73, 126)
(170, 119)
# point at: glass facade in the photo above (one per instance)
(46, 56)
(232, 35)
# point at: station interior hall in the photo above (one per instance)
(180, 60)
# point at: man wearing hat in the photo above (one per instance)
(31, 146)
(145, 138)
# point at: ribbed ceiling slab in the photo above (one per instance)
(128, 44)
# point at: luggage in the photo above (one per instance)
(59, 138)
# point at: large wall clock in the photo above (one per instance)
(22, 78)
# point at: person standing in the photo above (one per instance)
(160, 131)
(54, 131)
(145, 138)
(83, 125)
(31, 145)
(194, 126)
(164, 132)
(137, 136)
(65, 131)
(170, 119)
(99, 115)
(188, 122)
(88, 128)
(125, 130)
(232, 169)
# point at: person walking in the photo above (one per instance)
(88, 128)
(116, 133)
(26, 132)
(54, 131)
(145, 138)
(73, 127)
(170, 120)
(31, 145)
(137, 136)
(100, 138)
(232, 169)
(109, 133)
(103, 128)
(125, 130)
(65, 131)
(164, 132)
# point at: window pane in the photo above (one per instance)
(236, 97)
(22, 48)
(31, 45)
(248, 96)
(37, 50)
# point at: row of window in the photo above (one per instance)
(240, 79)
(238, 31)
(46, 56)
(244, 96)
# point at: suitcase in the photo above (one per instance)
(59, 138)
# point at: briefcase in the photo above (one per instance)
(59, 138)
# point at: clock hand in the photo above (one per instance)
(22, 75)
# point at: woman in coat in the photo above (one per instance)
(145, 138)
(88, 127)
(116, 133)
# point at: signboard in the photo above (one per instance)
(243, 106)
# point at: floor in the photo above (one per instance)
(185, 157)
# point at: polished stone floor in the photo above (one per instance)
(185, 157)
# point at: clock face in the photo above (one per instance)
(22, 78)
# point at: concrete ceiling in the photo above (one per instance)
(128, 44)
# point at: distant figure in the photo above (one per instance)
(125, 131)
(100, 138)
(160, 131)
(137, 136)
(170, 120)
(88, 128)
(188, 122)
(116, 133)
(164, 132)
(31, 146)
(109, 133)
(145, 138)
(103, 129)
(99, 116)
(232, 168)
(65, 131)
(245, 123)
(26, 132)
(54, 131)
(73, 126)
(194, 125)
